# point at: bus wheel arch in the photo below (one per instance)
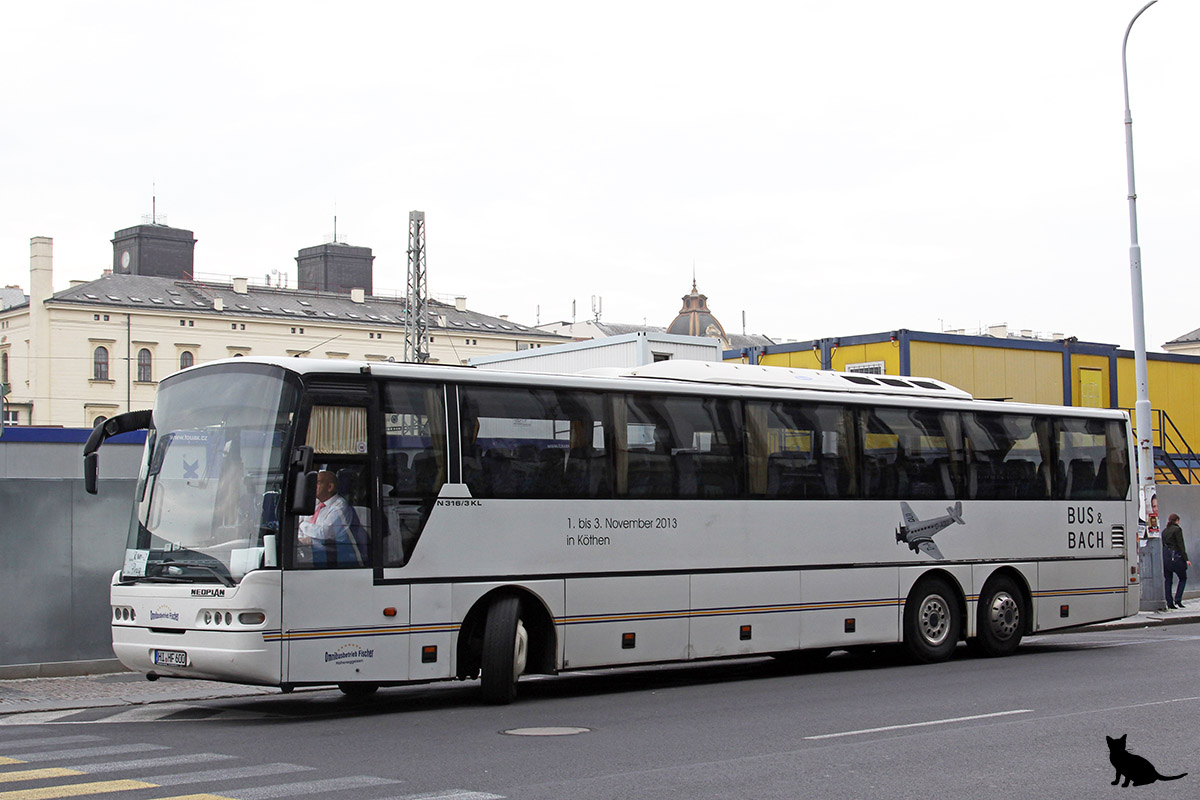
(534, 617)
(1003, 613)
(934, 615)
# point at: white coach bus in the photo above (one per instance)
(499, 524)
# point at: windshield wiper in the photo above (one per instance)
(227, 581)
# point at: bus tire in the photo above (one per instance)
(505, 650)
(1000, 620)
(932, 623)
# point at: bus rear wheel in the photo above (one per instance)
(505, 650)
(999, 617)
(932, 623)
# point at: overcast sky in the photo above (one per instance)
(829, 168)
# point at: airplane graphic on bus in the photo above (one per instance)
(918, 533)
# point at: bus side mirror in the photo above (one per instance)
(303, 497)
(91, 470)
(304, 493)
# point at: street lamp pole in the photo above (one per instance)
(1152, 578)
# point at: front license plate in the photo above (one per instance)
(171, 658)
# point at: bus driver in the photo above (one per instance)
(333, 531)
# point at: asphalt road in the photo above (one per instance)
(863, 726)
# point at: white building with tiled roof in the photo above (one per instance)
(100, 347)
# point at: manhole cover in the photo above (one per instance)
(555, 731)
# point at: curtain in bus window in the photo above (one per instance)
(680, 446)
(910, 453)
(800, 452)
(1084, 453)
(1007, 457)
(337, 430)
(531, 442)
(414, 464)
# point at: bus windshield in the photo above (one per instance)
(210, 481)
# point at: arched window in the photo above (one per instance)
(100, 364)
(144, 375)
(99, 419)
(186, 359)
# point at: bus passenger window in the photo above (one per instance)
(800, 451)
(1006, 457)
(679, 446)
(1090, 466)
(525, 442)
(911, 453)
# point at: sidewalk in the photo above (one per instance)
(129, 689)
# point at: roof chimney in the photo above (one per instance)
(218, 304)
(358, 295)
(241, 285)
(460, 303)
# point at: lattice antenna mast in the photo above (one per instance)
(416, 318)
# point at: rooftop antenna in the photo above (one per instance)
(333, 238)
(154, 218)
(597, 307)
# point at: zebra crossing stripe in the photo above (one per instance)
(75, 790)
(252, 771)
(91, 752)
(451, 794)
(144, 763)
(196, 797)
(36, 774)
(307, 787)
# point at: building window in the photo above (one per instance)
(182, 323)
(98, 420)
(144, 373)
(100, 364)
(186, 359)
(867, 368)
(12, 417)
(96, 317)
(106, 317)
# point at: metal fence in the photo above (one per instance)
(59, 547)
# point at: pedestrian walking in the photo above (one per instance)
(1175, 560)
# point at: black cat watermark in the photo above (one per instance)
(1133, 768)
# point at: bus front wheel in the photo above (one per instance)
(1000, 622)
(932, 623)
(505, 650)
